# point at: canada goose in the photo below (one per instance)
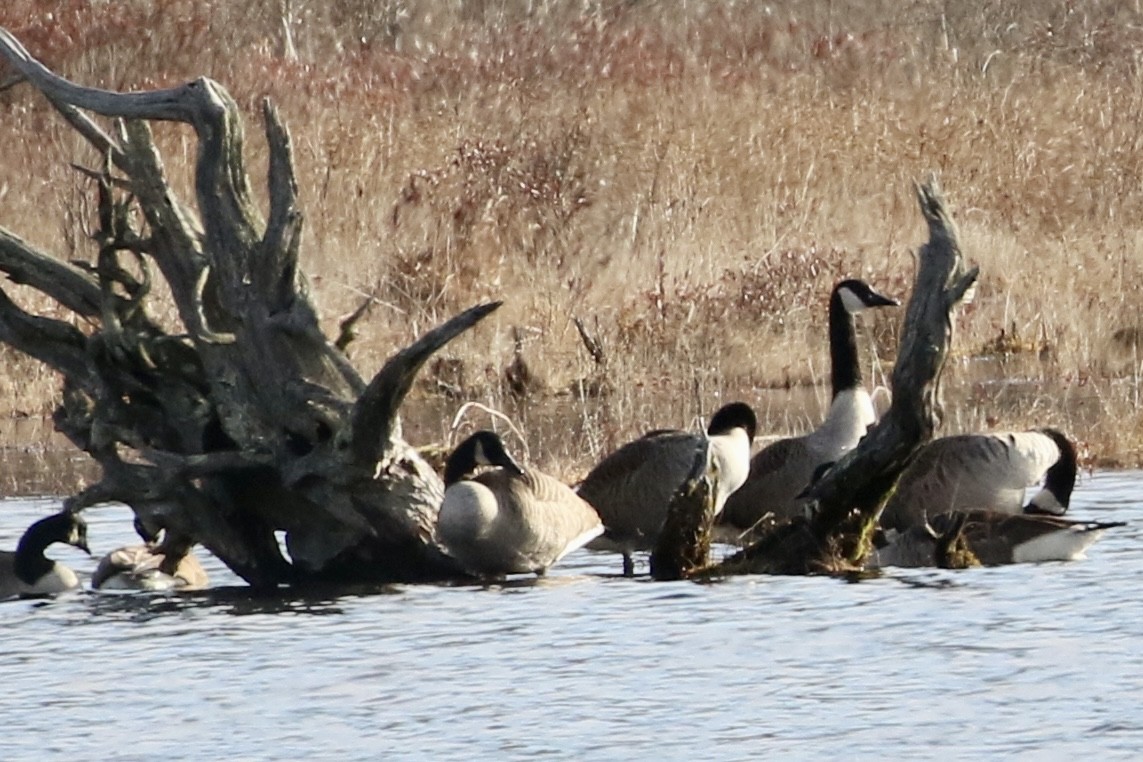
(984, 471)
(632, 487)
(155, 565)
(995, 538)
(781, 470)
(510, 520)
(28, 572)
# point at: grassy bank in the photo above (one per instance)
(689, 179)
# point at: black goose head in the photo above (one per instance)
(65, 527)
(484, 448)
(819, 472)
(847, 299)
(732, 416)
(1060, 479)
(144, 531)
(857, 295)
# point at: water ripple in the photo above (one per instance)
(1030, 660)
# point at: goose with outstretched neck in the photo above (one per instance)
(782, 470)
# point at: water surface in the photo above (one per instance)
(1035, 661)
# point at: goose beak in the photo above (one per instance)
(880, 300)
(77, 537)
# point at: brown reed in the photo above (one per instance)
(687, 179)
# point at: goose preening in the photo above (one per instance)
(782, 470)
(632, 487)
(27, 572)
(995, 538)
(984, 471)
(510, 519)
(157, 564)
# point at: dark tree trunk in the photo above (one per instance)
(247, 420)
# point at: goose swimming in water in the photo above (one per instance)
(994, 538)
(781, 471)
(984, 471)
(511, 519)
(27, 572)
(157, 564)
(632, 487)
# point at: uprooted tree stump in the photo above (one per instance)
(845, 503)
(245, 420)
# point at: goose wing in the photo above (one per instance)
(126, 560)
(190, 572)
(563, 520)
(970, 471)
(143, 567)
(548, 512)
(1001, 538)
(632, 487)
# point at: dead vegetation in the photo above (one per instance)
(687, 180)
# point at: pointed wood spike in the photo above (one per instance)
(375, 411)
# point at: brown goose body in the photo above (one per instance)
(148, 567)
(995, 538)
(508, 520)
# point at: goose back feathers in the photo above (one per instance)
(168, 564)
(984, 471)
(510, 519)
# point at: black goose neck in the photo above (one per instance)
(30, 563)
(460, 463)
(845, 372)
(1060, 479)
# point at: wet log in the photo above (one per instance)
(244, 420)
(683, 547)
(845, 503)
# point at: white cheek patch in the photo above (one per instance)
(1046, 502)
(851, 301)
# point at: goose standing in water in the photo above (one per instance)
(155, 565)
(781, 471)
(984, 471)
(27, 572)
(632, 487)
(995, 538)
(508, 520)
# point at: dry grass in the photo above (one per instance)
(687, 179)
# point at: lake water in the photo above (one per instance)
(1036, 661)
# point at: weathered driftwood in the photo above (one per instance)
(845, 503)
(683, 546)
(247, 419)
